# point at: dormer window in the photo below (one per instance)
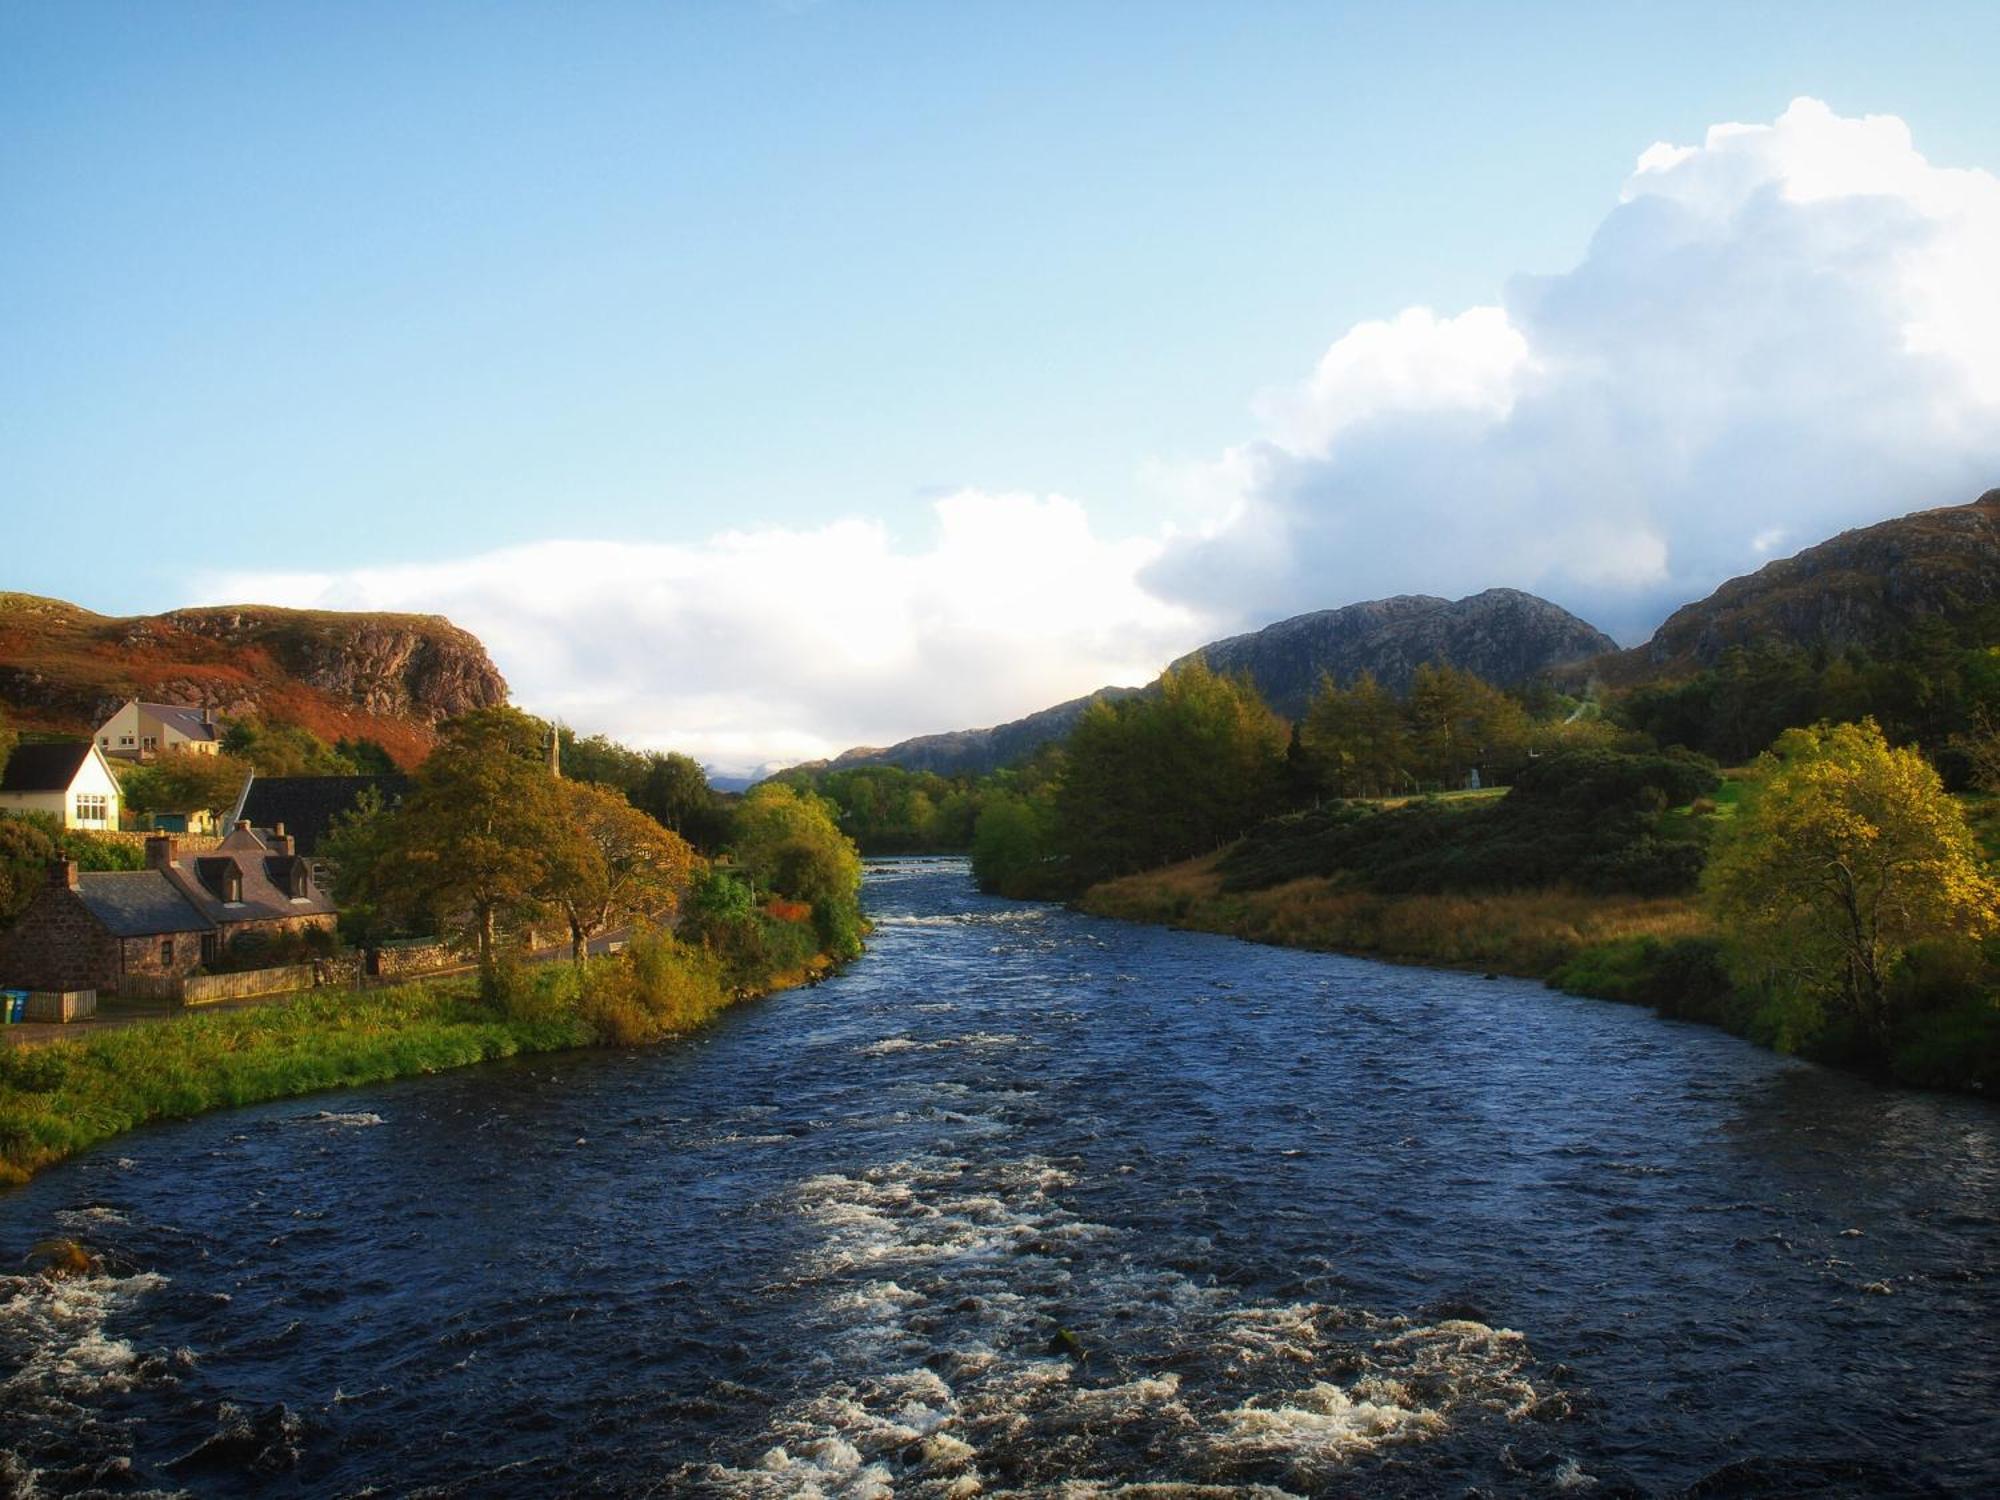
(223, 879)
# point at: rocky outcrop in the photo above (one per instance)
(387, 677)
(1861, 589)
(421, 668)
(1503, 635)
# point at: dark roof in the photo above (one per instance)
(185, 721)
(307, 805)
(244, 853)
(44, 768)
(138, 903)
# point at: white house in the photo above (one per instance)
(140, 731)
(70, 779)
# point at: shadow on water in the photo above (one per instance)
(1029, 1201)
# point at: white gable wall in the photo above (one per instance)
(90, 801)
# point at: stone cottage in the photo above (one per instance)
(89, 930)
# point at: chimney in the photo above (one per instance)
(162, 852)
(281, 841)
(62, 873)
(243, 826)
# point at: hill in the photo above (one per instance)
(386, 677)
(1503, 635)
(1862, 588)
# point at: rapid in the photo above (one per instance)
(1030, 1202)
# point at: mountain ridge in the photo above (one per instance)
(1504, 635)
(1856, 588)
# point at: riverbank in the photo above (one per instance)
(1657, 951)
(62, 1098)
(1526, 934)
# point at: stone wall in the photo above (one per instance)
(403, 960)
(149, 957)
(58, 945)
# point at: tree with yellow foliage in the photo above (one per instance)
(1844, 853)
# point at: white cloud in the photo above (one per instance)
(1780, 332)
(782, 645)
(1788, 329)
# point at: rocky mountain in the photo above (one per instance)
(1503, 635)
(387, 677)
(1858, 589)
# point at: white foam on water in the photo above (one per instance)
(1007, 918)
(356, 1118)
(96, 1216)
(946, 1291)
(52, 1333)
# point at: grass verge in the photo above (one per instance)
(59, 1099)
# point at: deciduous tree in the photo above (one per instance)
(613, 864)
(1846, 851)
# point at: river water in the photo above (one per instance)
(1027, 1201)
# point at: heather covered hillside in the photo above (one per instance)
(390, 678)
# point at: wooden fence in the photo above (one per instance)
(206, 989)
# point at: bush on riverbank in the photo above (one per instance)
(1594, 819)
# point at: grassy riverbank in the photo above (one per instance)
(1657, 951)
(1529, 934)
(58, 1099)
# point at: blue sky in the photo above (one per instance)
(298, 289)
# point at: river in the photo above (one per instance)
(1026, 1200)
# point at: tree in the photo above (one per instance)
(356, 846)
(675, 791)
(614, 864)
(1844, 853)
(1459, 722)
(1167, 775)
(1356, 740)
(788, 842)
(468, 844)
(288, 750)
(184, 781)
(1980, 746)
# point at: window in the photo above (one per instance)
(92, 807)
(105, 741)
(124, 739)
(150, 742)
(166, 953)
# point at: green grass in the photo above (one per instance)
(58, 1099)
(66, 1096)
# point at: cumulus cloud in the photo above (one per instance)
(780, 644)
(1786, 330)
(1782, 331)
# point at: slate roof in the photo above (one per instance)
(184, 721)
(138, 903)
(264, 894)
(307, 805)
(44, 768)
